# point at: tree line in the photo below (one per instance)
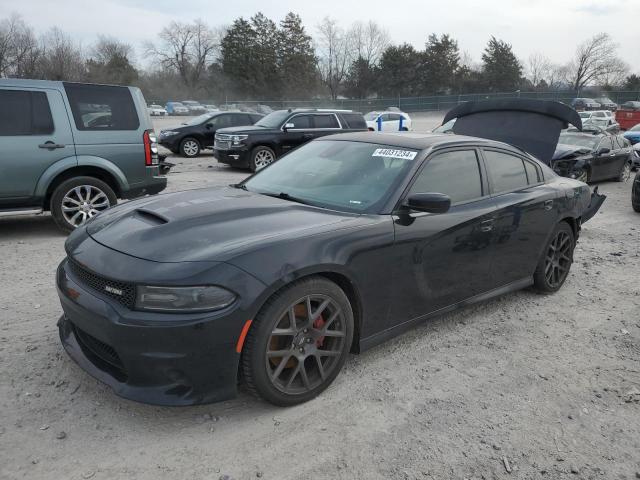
(259, 58)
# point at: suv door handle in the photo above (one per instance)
(50, 145)
(548, 204)
(486, 225)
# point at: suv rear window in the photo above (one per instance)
(102, 107)
(325, 121)
(24, 113)
(353, 120)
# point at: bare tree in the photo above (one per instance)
(107, 48)
(18, 48)
(333, 58)
(539, 67)
(62, 58)
(188, 49)
(595, 60)
(367, 41)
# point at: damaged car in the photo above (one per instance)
(591, 158)
(343, 243)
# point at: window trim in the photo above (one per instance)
(483, 175)
(523, 159)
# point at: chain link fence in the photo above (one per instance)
(423, 104)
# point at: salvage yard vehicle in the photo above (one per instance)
(73, 149)
(194, 107)
(388, 121)
(607, 103)
(259, 145)
(591, 158)
(340, 245)
(197, 134)
(157, 111)
(628, 115)
(601, 118)
(585, 104)
(635, 193)
(633, 134)
(176, 108)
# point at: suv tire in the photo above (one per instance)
(635, 193)
(261, 156)
(76, 200)
(190, 147)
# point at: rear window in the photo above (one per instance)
(24, 113)
(325, 121)
(507, 172)
(101, 107)
(353, 120)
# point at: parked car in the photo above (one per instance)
(176, 108)
(190, 138)
(607, 103)
(635, 193)
(156, 110)
(601, 118)
(211, 108)
(264, 109)
(279, 132)
(585, 104)
(342, 244)
(633, 134)
(73, 149)
(194, 107)
(636, 156)
(628, 114)
(591, 158)
(388, 121)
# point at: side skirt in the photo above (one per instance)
(396, 330)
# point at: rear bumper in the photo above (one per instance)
(152, 185)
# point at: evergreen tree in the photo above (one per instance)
(501, 70)
(297, 59)
(266, 77)
(361, 79)
(237, 57)
(398, 71)
(632, 82)
(440, 64)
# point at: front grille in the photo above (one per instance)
(123, 292)
(100, 350)
(222, 144)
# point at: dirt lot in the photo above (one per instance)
(543, 386)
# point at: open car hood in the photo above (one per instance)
(532, 125)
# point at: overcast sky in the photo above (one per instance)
(551, 27)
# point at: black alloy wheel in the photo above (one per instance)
(299, 342)
(556, 260)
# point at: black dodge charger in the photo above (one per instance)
(341, 244)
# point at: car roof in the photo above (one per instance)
(416, 141)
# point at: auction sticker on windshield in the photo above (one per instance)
(391, 153)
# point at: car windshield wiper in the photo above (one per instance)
(286, 196)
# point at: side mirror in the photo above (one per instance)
(287, 126)
(603, 150)
(429, 202)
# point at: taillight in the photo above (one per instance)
(150, 148)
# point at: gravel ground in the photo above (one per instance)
(524, 386)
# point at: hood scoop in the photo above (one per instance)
(153, 218)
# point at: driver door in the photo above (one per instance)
(301, 131)
(443, 259)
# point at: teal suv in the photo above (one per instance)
(73, 149)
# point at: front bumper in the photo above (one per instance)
(237, 157)
(161, 359)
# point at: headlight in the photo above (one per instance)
(168, 133)
(237, 139)
(183, 299)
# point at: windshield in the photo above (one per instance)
(274, 119)
(371, 116)
(587, 141)
(341, 175)
(198, 120)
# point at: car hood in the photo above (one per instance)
(249, 129)
(569, 151)
(207, 224)
(532, 125)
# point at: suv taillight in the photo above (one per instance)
(150, 148)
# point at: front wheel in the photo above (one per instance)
(261, 157)
(190, 147)
(555, 262)
(584, 176)
(625, 174)
(298, 342)
(78, 199)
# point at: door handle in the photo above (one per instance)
(548, 204)
(50, 145)
(486, 225)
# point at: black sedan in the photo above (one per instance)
(190, 138)
(338, 246)
(591, 158)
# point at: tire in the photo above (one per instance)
(261, 156)
(625, 174)
(556, 259)
(190, 147)
(302, 371)
(635, 193)
(585, 176)
(69, 206)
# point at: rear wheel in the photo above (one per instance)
(555, 262)
(635, 193)
(625, 174)
(78, 199)
(298, 342)
(261, 157)
(190, 147)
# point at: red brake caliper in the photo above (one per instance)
(318, 323)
